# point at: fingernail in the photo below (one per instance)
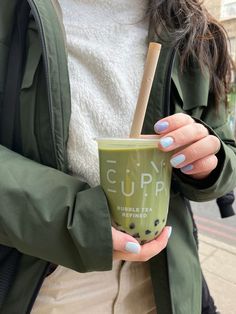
(166, 142)
(132, 247)
(177, 160)
(161, 126)
(169, 232)
(187, 168)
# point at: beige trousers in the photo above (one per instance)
(127, 289)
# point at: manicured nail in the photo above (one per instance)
(177, 160)
(187, 168)
(132, 247)
(161, 126)
(166, 142)
(169, 232)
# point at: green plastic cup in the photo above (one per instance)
(136, 176)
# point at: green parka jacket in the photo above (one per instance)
(50, 216)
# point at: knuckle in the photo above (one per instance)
(208, 163)
(181, 136)
(205, 164)
(185, 117)
(178, 115)
(200, 129)
(214, 161)
(189, 119)
(215, 142)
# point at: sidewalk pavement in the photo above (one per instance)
(218, 262)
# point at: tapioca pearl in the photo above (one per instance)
(136, 235)
(156, 222)
(148, 232)
(132, 225)
(156, 233)
(163, 220)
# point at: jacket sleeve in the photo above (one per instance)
(53, 216)
(192, 97)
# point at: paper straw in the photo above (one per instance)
(145, 89)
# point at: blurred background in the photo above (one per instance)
(225, 11)
(207, 215)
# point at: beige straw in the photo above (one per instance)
(145, 89)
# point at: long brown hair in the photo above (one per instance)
(199, 36)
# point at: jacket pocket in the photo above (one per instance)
(33, 58)
(3, 64)
(29, 95)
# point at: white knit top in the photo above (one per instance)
(107, 46)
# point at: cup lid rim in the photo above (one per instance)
(153, 138)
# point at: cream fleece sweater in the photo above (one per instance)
(106, 51)
(107, 46)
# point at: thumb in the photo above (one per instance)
(124, 242)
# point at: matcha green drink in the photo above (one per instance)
(136, 176)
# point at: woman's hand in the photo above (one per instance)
(196, 148)
(127, 248)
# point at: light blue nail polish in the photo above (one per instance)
(132, 247)
(187, 168)
(166, 142)
(177, 160)
(169, 232)
(161, 126)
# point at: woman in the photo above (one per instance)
(55, 217)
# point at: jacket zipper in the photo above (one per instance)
(37, 17)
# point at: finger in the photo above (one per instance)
(124, 242)
(183, 136)
(154, 247)
(200, 176)
(172, 122)
(207, 146)
(201, 167)
(148, 250)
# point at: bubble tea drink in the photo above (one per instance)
(136, 176)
